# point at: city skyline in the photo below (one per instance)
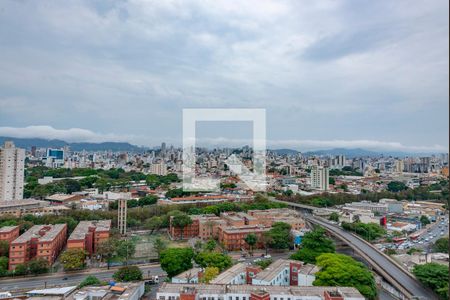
(123, 71)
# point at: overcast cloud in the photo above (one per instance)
(371, 74)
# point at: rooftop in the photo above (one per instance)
(83, 228)
(227, 276)
(60, 197)
(5, 229)
(311, 291)
(246, 228)
(274, 269)
(19, 203)
(49, 233)
(189, 274)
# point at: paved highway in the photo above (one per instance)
(398, 276)
(380, 261)
(66, 279)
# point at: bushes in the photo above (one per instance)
(314, 243)
(279, 236)
(213, 259)
(342, 270)
(128, 273)
(369, 232)
(176, 260)
(73, 259)
(90, 280)
(435, 276)
(33, 267)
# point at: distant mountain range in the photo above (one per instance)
(27, 143)
(349, 153)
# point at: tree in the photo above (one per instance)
(280, 236)
(264, 263)
(424, 220)
(21, 269)
(107, 250)
(434, 276)
(314, 243)
(321, 202)
(334, 216)
(125, 249)
(176, 260)
(152, 224)
(209, 274)
(4, 248)
(213, 259)
(342, 270)
(180, 221)
(210, 245)
(159, 245)
(73, 259)
(90, 280)
(441, 245)
(148, 200)
(251, 240)
(38, 266)
(128, 273)
(369, 232)
(3, 265)
(396, 186)
(266, 240)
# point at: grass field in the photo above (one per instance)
(144, 245)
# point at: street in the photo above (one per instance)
(66, 279)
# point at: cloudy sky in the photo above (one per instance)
(361, 73)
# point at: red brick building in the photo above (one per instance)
(232, 238)
(40, 241)
(9, 233)
(88, 235)
(186, 232)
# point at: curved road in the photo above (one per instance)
(398, 276)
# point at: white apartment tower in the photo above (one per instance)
(320, 178)
(12, 163)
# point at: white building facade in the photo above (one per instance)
(12, 164)
(320, 177)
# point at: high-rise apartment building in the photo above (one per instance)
(12, 163)
(320, 178)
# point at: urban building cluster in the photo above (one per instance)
(282, 272)
(118, 291)
(302, 174)
(172, 291)
(231, 228)
(47, 241)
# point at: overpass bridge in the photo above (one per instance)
(385, 266)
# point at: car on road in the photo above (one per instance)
(268, 256)
(241, 259)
